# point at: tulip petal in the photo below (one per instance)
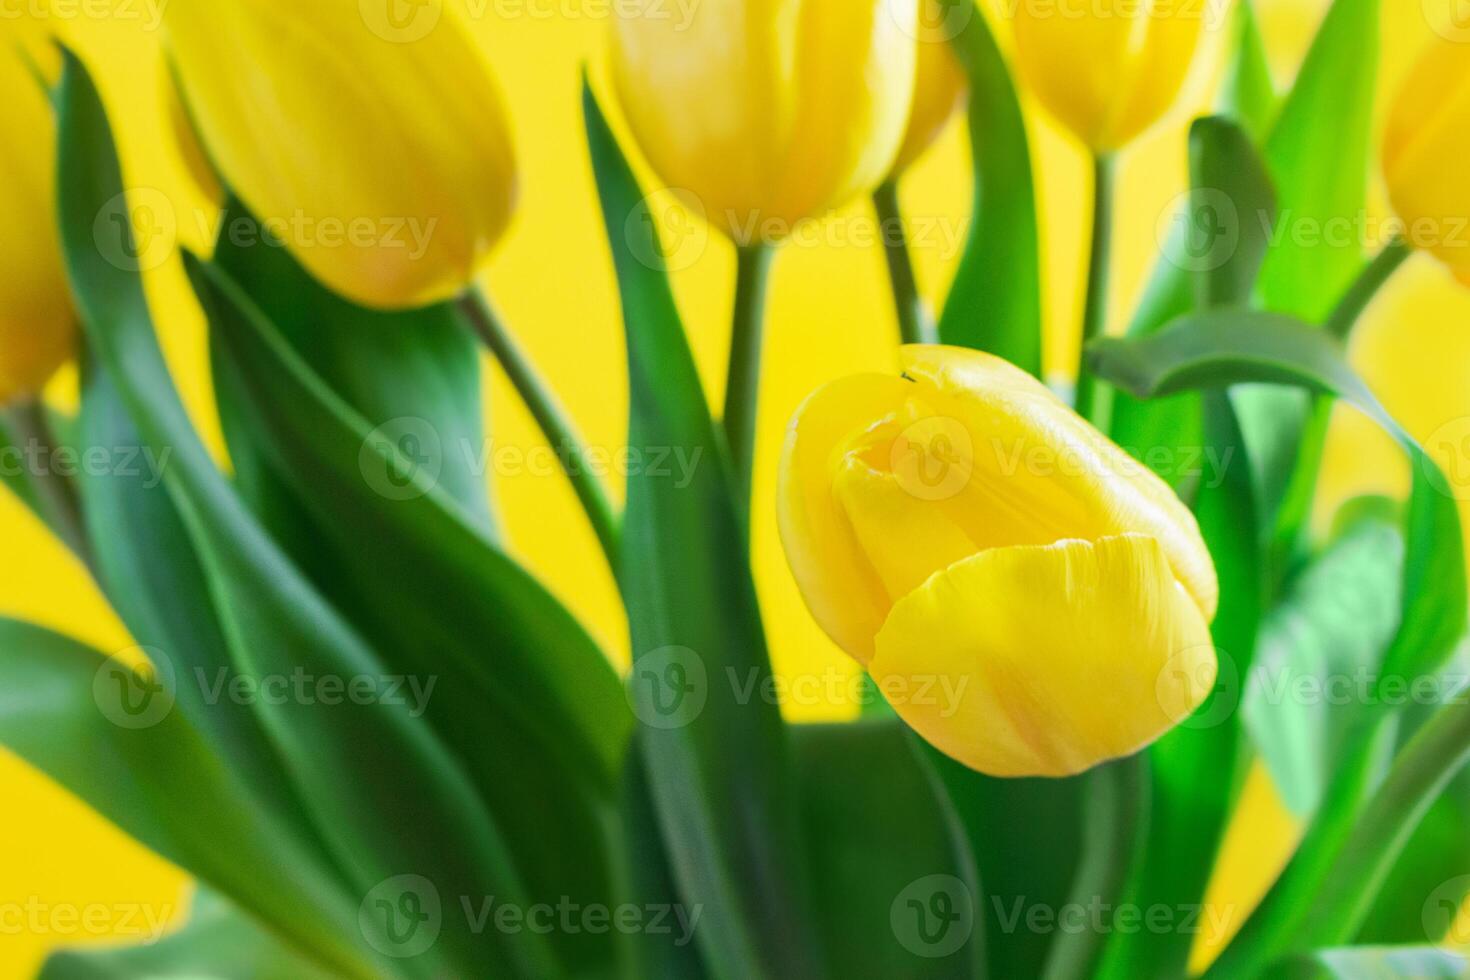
(837, 582)
(1045, 661)
(1036, 459)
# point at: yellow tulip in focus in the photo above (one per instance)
(1107, 69)
(383, 160)
(768, 112)
(1029, 598)
(37, 325)
(939, 86)
(1426, 143)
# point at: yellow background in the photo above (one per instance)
(830, 315)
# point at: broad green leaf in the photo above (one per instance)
(715, 749)
(115, 739)
(1234, 347)
(1026, 836)
(1320, 644)
(382, 812)
(895, 881)
(1248, 94)
(218, 942)
(153, 578)
(1374, 963)
(513, 667)
(419, 365)
(994, 303)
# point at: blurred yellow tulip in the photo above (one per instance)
(1108, 69)
(768, 112)
(37, 323)
(939, 86)
(1425, 145)
(1029, 598)
(383, 161)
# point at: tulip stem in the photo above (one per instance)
(915, 322)
(55, 496)
(1094, 399)
(742, 390)
(549, 415)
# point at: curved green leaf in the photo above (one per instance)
(994, 303)
(111, 737)
(1374, 963)
(719, 773)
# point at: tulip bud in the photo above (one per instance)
(37, 323)
(1425, 146)
(766, 113)
(383, 163)
(940, 86)
(1031, 599)
(1107, 69)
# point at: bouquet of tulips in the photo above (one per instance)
(384, 749)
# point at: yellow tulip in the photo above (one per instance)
(195, 161)
(37, 324)
(939, 87)
(383, 161)
(1107, 69)
(1031, 600)
(768, 112)
(1425, 145)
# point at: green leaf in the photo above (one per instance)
(1235, 347)
(111, 737)
(994, 303)
(718, 763)
(513, 666)
(896, 887)
(153, 578)
(1330, 630)
(1248, 94)
(387, 366)
(218, 942)
(1026, 835)
(1374, 963)
(379, 812)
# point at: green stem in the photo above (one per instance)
(555, 425)
(1115, 803)
(915, 322)
(1296, 505)
(1094, 399)
(55, 496)
(742, 390)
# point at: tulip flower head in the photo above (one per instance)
(1107, 69)
(384, 164)
(940, 86)
(1425, 145)
(37, 323)
(768, 112)
(958, 529)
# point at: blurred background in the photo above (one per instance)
(68, 878)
